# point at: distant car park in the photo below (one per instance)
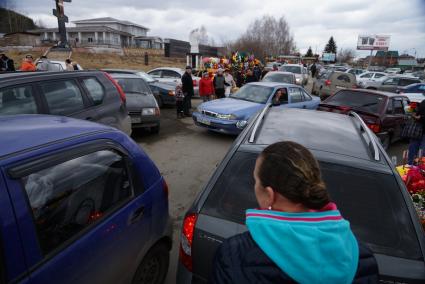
(301, 73)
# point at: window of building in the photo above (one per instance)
(70, 196)
(90, 39)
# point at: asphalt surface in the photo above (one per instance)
(187, 156)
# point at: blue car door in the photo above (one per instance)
(309, 101)
(81, 216)
(296, 98)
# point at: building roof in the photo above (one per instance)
(42, 129)
(84, 29)
(108, 20)
(390, 53)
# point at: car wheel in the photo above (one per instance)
(159, 101)
(155, 129)
(385, 141)
(154, 266)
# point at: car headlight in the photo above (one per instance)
(226, 116)
(148, 111)
(297, 80)
(241, 124)
(199, 109)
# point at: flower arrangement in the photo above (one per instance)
(414, 179)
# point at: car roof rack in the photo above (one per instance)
(257, 123)
(365, 129)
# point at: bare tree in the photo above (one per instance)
(266, 36)
(346, 55)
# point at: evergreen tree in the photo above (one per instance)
(331, 46)
(309, 52)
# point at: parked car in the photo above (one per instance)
(59, 65)
(393, 83)
(269, 65)
(280, 77)
(412, 88)
(89, 95)
(371, 80)
(173, 75)
(164, 92)
(319, 80)
(81, 203)
(359, 176)
(231, 115)
(383, 112)
(301, 73)
(332, 82)
(419, 74)
(355, 71)
(393, 70)
(141, 104)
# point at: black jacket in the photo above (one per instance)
(240, 260)
(7, 64)
(250, 79)
(187, 84)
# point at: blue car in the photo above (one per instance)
(79, 203)
(231, 115)
(412, 88)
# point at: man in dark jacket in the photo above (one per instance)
(241, 260)
(313, 69)
(220, 84)
(6, 64)
(257, 72)
(250, 77)
(188, 91)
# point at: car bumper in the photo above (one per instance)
(143, 121)
(126, 125)
(217, 125)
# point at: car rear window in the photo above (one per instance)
(362, 101)
(278, 77)
(371, 201)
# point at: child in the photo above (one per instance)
(179, 101)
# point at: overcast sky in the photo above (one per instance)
(312, 22)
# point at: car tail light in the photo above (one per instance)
(328, 82)
(376, 128)
(157, 111)
(401, 93)
(354, 86)
(120, 91)
(165, 187)
(195, 83)
(186, 240)
(171, 93)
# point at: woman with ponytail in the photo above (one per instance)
(297, 235)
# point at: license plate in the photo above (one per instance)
(204, 121)
(136, 119)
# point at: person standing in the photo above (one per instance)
(297, 235)
(313, 70)
(239, 79)
(206, 87)
(188, 91)
(229, 80)
(257, 72)
(44, 64)
(6, 63)
(219, 84)
(417, 143)
(28, 64)
(179, 101)
(250, 77)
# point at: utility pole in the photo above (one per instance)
(62, 19)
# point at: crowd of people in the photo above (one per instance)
(29, 64)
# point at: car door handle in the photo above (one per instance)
(89, 118)
(137, 215)
(304, 106)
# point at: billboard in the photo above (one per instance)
(328, 57)
(373, 42)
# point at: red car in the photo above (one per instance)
(382, 112)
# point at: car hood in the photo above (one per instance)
(137, 101)
(167, 86)
(242, 109)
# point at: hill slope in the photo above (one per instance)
(11, 21)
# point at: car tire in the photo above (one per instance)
(155, 129)
(160, 102)
(385, 141)
(154, 266)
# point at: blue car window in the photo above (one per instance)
(422, 88)
(296, 95)
(17, 100)
(68, 197)
(253, 93)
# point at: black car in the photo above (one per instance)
(359, 176)
(164, 92)
(89, 95)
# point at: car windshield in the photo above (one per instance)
(148, 78)
(133, 85)
(253, 93)
(292, 69)
(279, 77)
(361, 101)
